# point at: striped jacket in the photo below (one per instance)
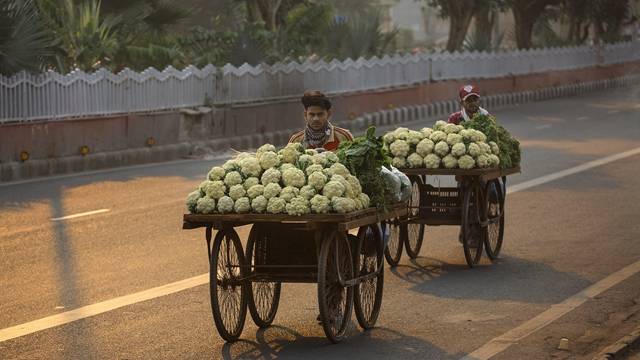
(337, 136)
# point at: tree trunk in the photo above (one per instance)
(460, 15)
(253, 11)
(484, 21)
(526, 13)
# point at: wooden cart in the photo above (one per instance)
(312, 248)
(478, 211)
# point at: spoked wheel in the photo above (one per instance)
(415, 232)
(369, 262)
(263, 297)
(495, 216)
(472, 232)
(393, 250)
(226, 284)
(335, 299)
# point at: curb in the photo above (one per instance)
(620, 347)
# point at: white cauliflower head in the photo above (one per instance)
(495, 149)
(289, 192)
(432, 161)
(237, 191)
(425, 147)
(450, 162)
(320, 159)
(317, 179)
(348, 190)
(286, 166)
(320, 204)
(399, 162)
(231, 165)
(458, 149)
(332, 189)
(450, 129)
(389, 137)
(467, 134)
(255, 191)
(339, 169)
(439, 125)
(494, 159)
(265, 148)
(414, 137)
(249, 182)
(232, 178)
(454, 138)
(216, 173)
(271, 190)
(401, 133)
(311, 152)
(355, 184)
(206, 205)
(192, 201)
(399, 148)
(478, 136)
(466, 162)
(483, 161)
(331, 157)
(364, 198)
(308, 191)
(313, 168)
(250, 166)
(485, 148)
(426, 132)
(473, 149)
(438, 136)
(294, 177)
(304, 160)
(289, 154)
(415, 161)
(276, 205)
(299, 205)
(259, 204)
(268, 160)
(270, 176)
(343, 205)
(242, 205)
(214, 189)
(441, 148)
(225, 205)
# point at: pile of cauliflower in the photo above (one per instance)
(446, 146)
(291, 181)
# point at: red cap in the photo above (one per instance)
(468, 90)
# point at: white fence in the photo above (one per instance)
(53, 96)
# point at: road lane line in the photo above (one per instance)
(574, 170)
(81, 214)
(541, 127)
(105, 306)
(502, 342)
(99, 308)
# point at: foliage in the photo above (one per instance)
(508, 145)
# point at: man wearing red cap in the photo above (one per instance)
(470, 103)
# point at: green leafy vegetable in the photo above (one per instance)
(508, 145)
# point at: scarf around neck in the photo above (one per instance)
(316, 138)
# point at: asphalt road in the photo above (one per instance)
(561, 237)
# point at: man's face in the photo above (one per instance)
(317, 117)
(471, 104)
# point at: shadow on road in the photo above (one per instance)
(510, 278)
(279, 342)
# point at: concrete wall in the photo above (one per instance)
(54, 146)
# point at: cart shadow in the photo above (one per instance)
(509, 278)
(280, 342)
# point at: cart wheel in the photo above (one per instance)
(472, 234)
(368, 260)
(495, 216)
(393, 250)
(415, 232)
(228, 294)
(263, 297)
(335, 299)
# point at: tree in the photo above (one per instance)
(609, 17)
(526, 13)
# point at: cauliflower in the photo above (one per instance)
(466, 134)
(348, 189)
(307, 192)
(250, 166)
(286, 166)
(268, 160)
(293, 177)
(426, 132)
(466, 162)
(399, 162)
(483, 161)
(216, 173)
(311, 152)
(264, 149)
(289, 154)
(270, 176)
(299, 205)
(355, 184)
(478, 136)
(317, 179)
(205, 205)
(320, 159)
(331, 158)
(333, 188)
(364, 198)
(214, 189)
(225, 205)
(271, 190)
(414, 137)
(438, 136)
(304, 160)
(231, 165)
(439, 125)
(458, 149)
(389, 137)
(401, 133)
(339, 169)
(485, 148)
(313, 168)
(453, 139)
(441, 148)
(425, 147)
(343, 205)
(399, 148)
(450, 162)
(255, 191)
(289, 192)
(450, 129)
(237, 191)
(358, 203)
(259, 204)
(495, 149)
(415, 161)
(250, 182)
(473, 149)
(242, 205)
(192, 201)
(320, 204)
(241, 156)
(276, 205)
(233, 178)
(297, 147)
(432, 161)
(495, 160)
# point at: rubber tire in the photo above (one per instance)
(261, 322)
(493, 252)
(472, 255)
(368, 320)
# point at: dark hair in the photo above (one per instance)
(315, 98)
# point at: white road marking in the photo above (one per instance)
(81, 214)
(541, 127)
(574, 170)
(99, 308)
(502, 342)
(581, 118)
(105, 306)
